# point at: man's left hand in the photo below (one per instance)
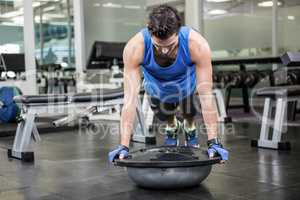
(218, 150)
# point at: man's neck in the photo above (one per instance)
(165, 61)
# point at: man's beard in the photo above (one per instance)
(170, 55)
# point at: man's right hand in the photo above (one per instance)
(120, 152)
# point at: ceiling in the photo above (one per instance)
(55, 11)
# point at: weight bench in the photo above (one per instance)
(278, 97)
(77, 106)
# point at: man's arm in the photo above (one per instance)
(201, 56)
(132, 57)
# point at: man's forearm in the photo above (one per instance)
(210, 115)
(127, 122)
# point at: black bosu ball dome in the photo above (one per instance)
(168, 167)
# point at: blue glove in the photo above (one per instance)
(216, 149)
(121, 150)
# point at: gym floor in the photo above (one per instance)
(73, 165)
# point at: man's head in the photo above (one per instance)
(164, 24)
(164, 21)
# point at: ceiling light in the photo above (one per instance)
(290, 17)
(64, 64)
(132, 7)
(12, 14)
(18, 20)
(8, 24)
(97, 4)
(36, 4)
(53, 15)
(268, 3)
(50, 8)
(217, 12)
(218, 1)
(37, 19)
(112, 5)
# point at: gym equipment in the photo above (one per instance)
(103, 55)
(251, 78)
(246, 61)
(13, 62)
(83, 106)
(12, 66)
(281, 95)
(291, 78)
(235, 81)
(225, 78)
(104, 64)
(54, 82)
(116, 74)
(168, 167)
(9, 111)
(54, 79)
(216, 77)
(77, 105)
(291, 59)
(12, 71)
(69, 80)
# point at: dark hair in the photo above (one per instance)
(164, 21)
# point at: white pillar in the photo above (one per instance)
(274, 32)
(194, 14)
(29, 48)
(274, 28)
(79, 40)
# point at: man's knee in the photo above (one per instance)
(163, 111)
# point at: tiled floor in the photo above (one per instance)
(73, 165)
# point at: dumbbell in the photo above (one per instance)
(236, 79)
(297, 72)
(264, 74)
(292, 78)
(232, 78)
(221, 79)
(225, 78)
(259, 76)
(251, 78)
(216, 78)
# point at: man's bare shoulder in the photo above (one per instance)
(134, 49)
(198, 45)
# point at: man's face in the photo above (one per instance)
(167, 46)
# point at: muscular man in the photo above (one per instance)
(176, 63)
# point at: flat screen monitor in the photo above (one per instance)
(104, 53)
(13, 62)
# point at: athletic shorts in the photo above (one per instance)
(163, 111)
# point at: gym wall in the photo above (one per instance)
(116, 21)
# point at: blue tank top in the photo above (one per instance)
(172, 83)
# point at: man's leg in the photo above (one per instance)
(165, 112)
(189, 112)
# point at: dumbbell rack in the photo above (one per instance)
(242, 62)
